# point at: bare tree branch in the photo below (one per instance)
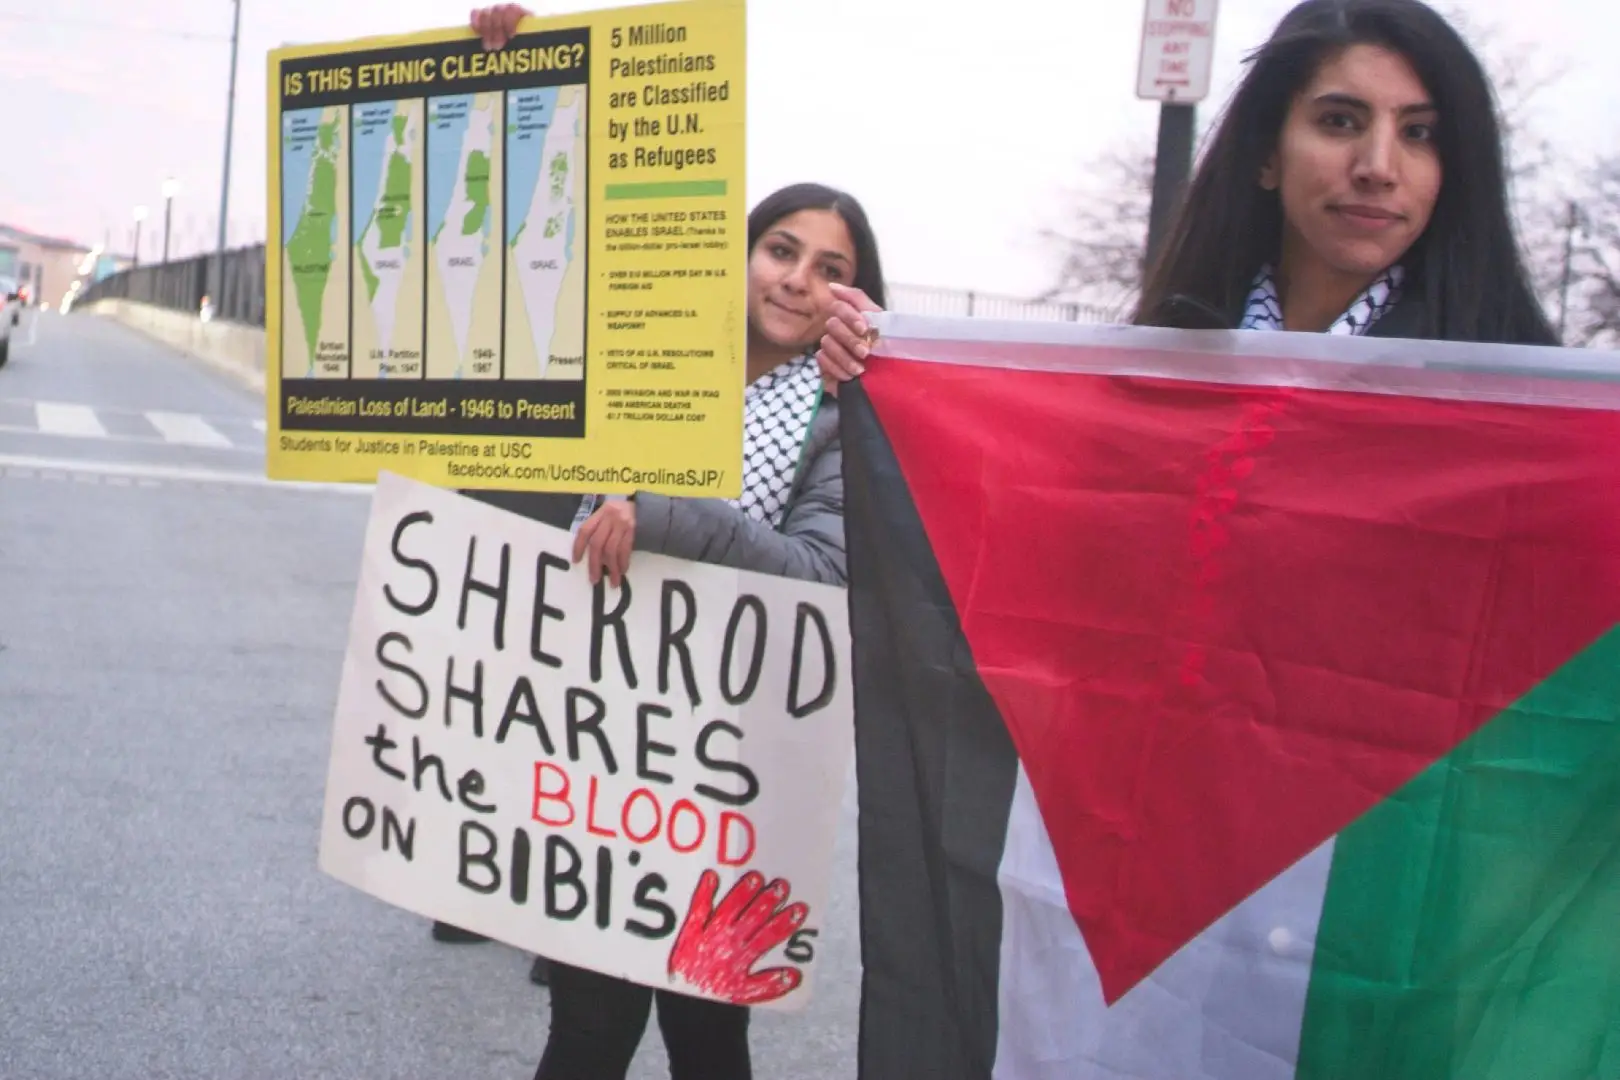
(1594, 261)
(1520, 73)
(1103, 241)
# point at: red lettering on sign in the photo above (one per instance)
(543, 795)
(728, 819)
(590, 816)
(629, 805)
(702, 826)
(1165, 28)
(643, 819)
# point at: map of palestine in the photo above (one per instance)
(545, 293)
(315, 188)
(463, 202)
(388, 182)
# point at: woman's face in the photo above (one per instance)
(788, 274)
(1356, 164)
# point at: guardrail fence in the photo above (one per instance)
(181, 285)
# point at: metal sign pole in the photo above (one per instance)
(1178, 43)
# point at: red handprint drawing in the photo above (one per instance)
(718, 947)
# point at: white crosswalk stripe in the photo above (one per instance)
(186, 429)
(57, 419)
(26, 416)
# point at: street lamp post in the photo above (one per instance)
(216, 286)
(171, 188)
(140, 216)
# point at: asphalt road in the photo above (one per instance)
(171, 636)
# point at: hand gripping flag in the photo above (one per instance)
(1235, 706)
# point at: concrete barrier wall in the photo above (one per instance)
(233, 348)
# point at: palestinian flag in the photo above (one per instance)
(1235, 706)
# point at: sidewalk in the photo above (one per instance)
(235, 349)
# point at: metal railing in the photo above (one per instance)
(924, 300)
(181, 285)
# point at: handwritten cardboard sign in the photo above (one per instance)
(644, 781)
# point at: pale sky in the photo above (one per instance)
(960, 133)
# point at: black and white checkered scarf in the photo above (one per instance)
(778, 408)
(1264, 310)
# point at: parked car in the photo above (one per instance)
(11, 305)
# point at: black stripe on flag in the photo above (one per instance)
(936, 769)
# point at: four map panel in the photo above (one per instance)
(438, 237)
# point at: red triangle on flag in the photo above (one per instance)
(1221, 622)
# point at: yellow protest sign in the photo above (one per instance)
(519, 269)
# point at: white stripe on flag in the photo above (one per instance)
(1228, 1006)
(1462, 371)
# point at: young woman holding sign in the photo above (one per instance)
(1356, 185)
(803, 242)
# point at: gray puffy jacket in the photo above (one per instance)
(808, 545)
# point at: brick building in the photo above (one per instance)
(47, 265)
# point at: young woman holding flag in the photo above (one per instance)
(803, 240)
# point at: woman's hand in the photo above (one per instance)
(498, 23)
(607, 537)
(849, 337)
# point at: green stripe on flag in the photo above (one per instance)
(1471, 928)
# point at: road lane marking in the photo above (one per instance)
(60, 468)
(186, 429)
(219, 421)
(138, 440)
(55, 418)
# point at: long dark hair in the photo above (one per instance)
(1465, 270)
(795, 197)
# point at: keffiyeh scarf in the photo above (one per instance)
(778, 409)
(1264, 310)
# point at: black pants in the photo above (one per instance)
(597, 1023)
